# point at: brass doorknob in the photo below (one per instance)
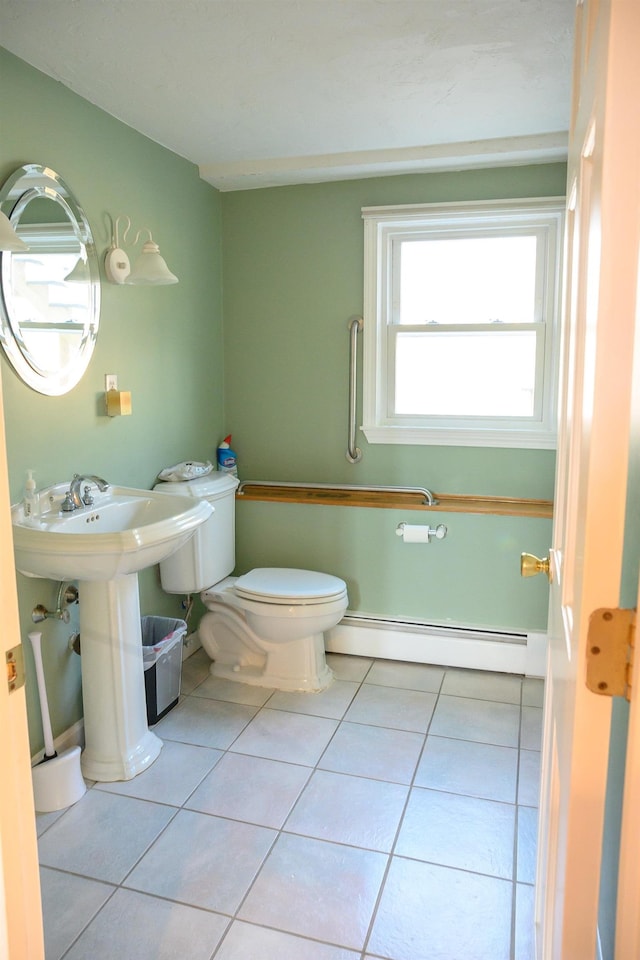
(530, 566)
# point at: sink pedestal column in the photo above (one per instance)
(119, 744)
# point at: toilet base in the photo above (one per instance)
(298, 665)
(257, 678)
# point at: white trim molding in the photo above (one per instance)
(361, 164)
(496, 651)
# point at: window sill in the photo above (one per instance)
(535, 439)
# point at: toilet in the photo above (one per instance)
(265, 627)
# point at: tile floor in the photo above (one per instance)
(393, 815)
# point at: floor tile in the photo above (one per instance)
(332, 702)
(346, 667)
(527, 840)
(532, 692)
(292, 737)
(172, 777)
(531, 734)
(133, 925)
(45, 820)
(352, 810)
(203, 861)
(524, 948)
(434, 912)
(103, 835)
(68, 904)
(373, 752)
(217, 688)
(195, 669)
(456, 831)
(481, 720)
(392, 707)
(251, 789)
(321, 890)
(409, 676)
(482, 685)
(204, 722)
(245, 941)
(239, 761)
(471, 768)
(529, 778)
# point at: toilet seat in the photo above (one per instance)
(280, 585)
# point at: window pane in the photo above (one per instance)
(476, 280)
(465, 374)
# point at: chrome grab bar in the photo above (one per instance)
(429, 498)
(354, 454)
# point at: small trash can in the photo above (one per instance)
(162, 661)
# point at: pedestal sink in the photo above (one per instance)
(103, 546)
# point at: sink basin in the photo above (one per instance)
(123, 531)
(103, 546)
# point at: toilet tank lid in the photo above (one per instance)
(288, 584)
(211, 487)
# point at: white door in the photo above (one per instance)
(601, 269)
(20, 915)
(628, 905)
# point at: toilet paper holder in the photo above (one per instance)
(418, 533)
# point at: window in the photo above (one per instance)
(461, 323)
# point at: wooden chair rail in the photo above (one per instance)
(391, 499)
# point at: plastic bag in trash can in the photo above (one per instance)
(159, 634)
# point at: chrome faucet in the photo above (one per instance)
(73, 496)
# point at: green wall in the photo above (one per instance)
(164, 343)
(293, 275)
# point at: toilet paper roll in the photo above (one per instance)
(412, 533)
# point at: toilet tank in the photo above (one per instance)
(210, 555)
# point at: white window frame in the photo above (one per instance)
(383, 228)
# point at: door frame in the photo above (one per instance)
(21, 933)
(604, 165)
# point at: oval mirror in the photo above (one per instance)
(49, 294)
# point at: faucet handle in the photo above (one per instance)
(67, 505)
(87, 499)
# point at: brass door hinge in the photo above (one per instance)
(15, 668)
(610, 647)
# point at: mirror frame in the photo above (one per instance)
(28, 183)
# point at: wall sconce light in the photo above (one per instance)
(9, 239)
(150, 268)
(80, 273)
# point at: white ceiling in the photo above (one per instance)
(263, 92)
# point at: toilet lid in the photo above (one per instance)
(282, 585)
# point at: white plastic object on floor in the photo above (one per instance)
(57, 780)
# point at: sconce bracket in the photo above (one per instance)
(116, 265)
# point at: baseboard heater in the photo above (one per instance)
(444, 645)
